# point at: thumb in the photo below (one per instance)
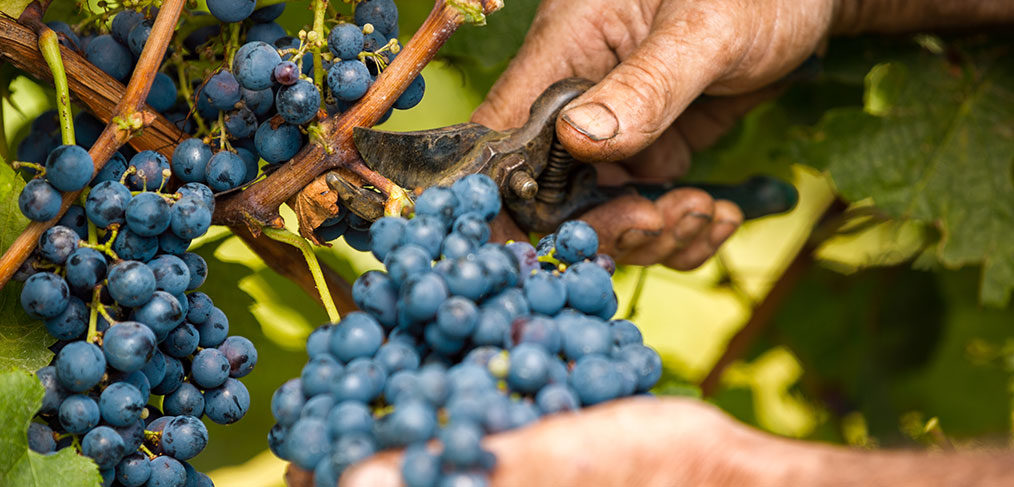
(689, 48)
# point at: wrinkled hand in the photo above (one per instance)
(652, 59)
(638, 441)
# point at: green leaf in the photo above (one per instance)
(23, 340)
(933, 143)
(13, 7)
(22, 396)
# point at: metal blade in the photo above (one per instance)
(419, 159)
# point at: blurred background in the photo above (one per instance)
(835, 322)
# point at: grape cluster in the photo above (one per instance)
(458, 339)
(131, 324)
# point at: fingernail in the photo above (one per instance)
(635, 237)
(595, 120)
(690, 225)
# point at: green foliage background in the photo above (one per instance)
(901, 309)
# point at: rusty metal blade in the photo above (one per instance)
(418, 159)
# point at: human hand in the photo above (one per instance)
(652, 59)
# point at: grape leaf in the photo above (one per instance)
(13, 7)
(933, 143)
(23, 340)
(20, 466)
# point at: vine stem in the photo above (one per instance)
(283, 235)
(131, 107)
(49, 44)
(319, 11)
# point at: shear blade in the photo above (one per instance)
(418, 159)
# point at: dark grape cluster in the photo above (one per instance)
(458, 339)
(114, 284)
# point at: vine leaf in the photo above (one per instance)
(934, 143)
(20, 466)
(23, 340)
(14, 7)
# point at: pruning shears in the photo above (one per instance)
(540, 182)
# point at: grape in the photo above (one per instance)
(184, 437)
(422, 295)
(254, 63)
(646, 363)
(584, 335)
(225, 171)
(277, 144)
(241, 123)
(419, 467)
(76, 220)
(349, 80)
(265, 32)
(107, 203)
(477, 192)
(555, 398)
(173, 377)
(190, 159)
(69, 168)
(222, 91)
(79, 366)
(129, 245)
(163, 93)
(376, 293)
(406, 261)
(426, 231)
(412, 95)
(123, 22)
(198, 269)
(215, 329)
(528, 259)
(57, 242)
(358, 239)
(181, 342)
(260, 102)
(171, 273)
(457, 317)
(110, 56)
(287, 73)
(150, 166)
(241, 354)
(298, 103)
(231, 10)
(166, 472)
(605, 262)
(70, 324)
(134, 469)
(313, 445)
(209, 369)
(78, 414)
(112, 170)
(588, 287)
(161, 313)
(200, 307)
(190, 218)
(128, 346)
(349, 417)
(87, 128)
(121, 404)
(576, 241)
(40, 438)
(466, 277)
(228, 403)
(461, 444)
(383, 14)
(473, 226)
(594, 380)
(200, 191)
(104, 446)
(350, 449)
(131, 283)
(147, 214)
(39, 201)
(138, 36)
(357, 335)
(267, 14)
(136, 379)
(186, 399)
(55, 393)
(345, 41)
(395, 356)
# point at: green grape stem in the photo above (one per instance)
(49, 44)
(283, 235)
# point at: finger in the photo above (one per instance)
(565, 39)
(686, 212)
(690, 47)
(624, 223)
(381, 470)
(728, 218)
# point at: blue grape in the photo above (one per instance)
(298, 103)
(78, 414)
(40, 438)
(317, 407)
(382, 14)
(110, 56)
(422, 294)
(190, 158)
(584, 335)
(241, 123)
(545, 292)
(150, 166)
(438, 201)
(287, 73)
(319, 342)
(376, 293)
(253, 65)
(131, 246)
(103, 445)
(556, 398)
(199, 191)
(148, 214)
(358, 239)
(605, 262)
(131, 283)
(172, 379)
(187, 399)
(491, 326)
(277, 145)
(76, 220)
(349, 80)
(214, 331)
(576, 241)
(228, 403)
(522, 413)
(112, 170)
(363, 381)
(260, 102)
(39, 201)
(412, 421)
(477, 192)
(412, 95)
(457, 317)
(319, 374)
(406, 261)
(154, 369)
(529, 368)
(349, 450)
(198, 269)
(472, 225)
(276, 442)
(184, 437)
(229, 11)
(357, 335)
(161, 313)
(345, 41)
(200, 306)
(87, 129)
(588, 287)
(138, 36)
(190, 217)
(267, 14)
(45, 295)
(69, 168)
(645, 362)
(313, 445)
(241, 354)
(287, 402)
(128, 346)
(461, 443)
(80, 366)
(455, 245)
(55, 393)
(163, 93)
(120, 404)
(385, 235)
(171, 273)
(595, 380)
(123, 22)
(396, 356)
(136, 379)
(528, 259)
(467, 277)
(181, 341)
(419, 467)
(539, 330)
(222, 91)
(501, 266)
(225, 171)
(166, 471)
(265, 32)
(106, 203)
(349, 417)
(209, 368)
(133, 470)
(426, 231)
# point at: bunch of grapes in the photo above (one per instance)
(458, 339)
